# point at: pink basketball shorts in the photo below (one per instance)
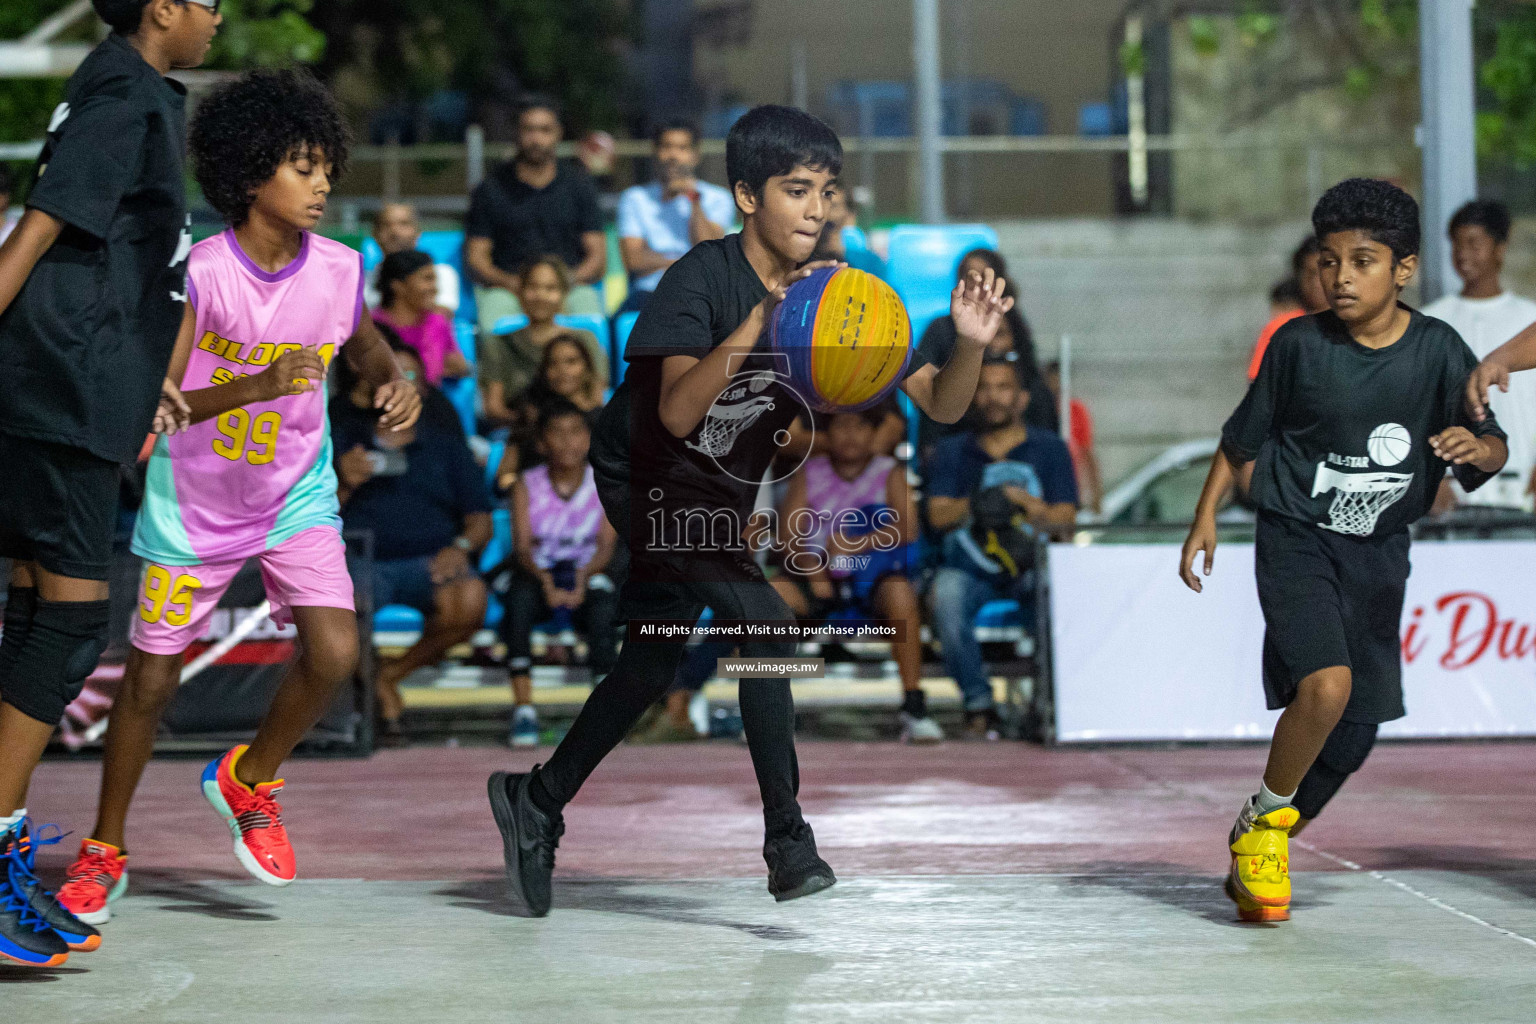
(308, 570)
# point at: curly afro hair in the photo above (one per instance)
(1379, 208)
(247, 128)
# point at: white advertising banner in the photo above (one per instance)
(1138, 656)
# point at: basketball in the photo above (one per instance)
(846, 336)
(1389, 444)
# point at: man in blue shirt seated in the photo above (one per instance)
(662, 220)
(989, 491)
(425, 500)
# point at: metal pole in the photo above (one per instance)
(1136, 118)
(925, 62)
(474, 156)
(799, 75)
(1447, 134)
(1065, 363)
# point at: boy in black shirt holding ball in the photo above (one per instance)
(1350, 424)
(678, 456)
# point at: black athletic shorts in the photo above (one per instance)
(1331, 599)
(58, 506)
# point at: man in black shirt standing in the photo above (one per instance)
(91, 285)
(678, 457)
(1349, 426)
(532, 207)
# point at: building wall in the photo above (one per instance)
(1056, 51)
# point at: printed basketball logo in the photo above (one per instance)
(1389, 444)
(1361, 498)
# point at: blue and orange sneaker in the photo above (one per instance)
(98, 876)
(79, 936)
(25, 937)
(254, 817)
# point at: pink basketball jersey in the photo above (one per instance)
(242, 483)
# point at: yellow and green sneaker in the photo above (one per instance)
(1260, 879)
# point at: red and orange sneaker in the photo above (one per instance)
(98, 876)
(254, 818)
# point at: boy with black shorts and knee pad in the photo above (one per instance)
(1350, 424)
(683, 447)
(91, 284)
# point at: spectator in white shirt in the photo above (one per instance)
(1486, 316)
(662, 220)
(396, 229)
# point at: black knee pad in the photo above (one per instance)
(61, 648)
(1343, 753)
(20, 607)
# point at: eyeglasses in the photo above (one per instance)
(212, 5)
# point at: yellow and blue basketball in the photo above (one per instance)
(846, 336)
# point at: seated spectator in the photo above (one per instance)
(989, 491)
(862, 502)
(423, 497)
(1298, 295)
(1085, 461)
(358, 408)
(7, 187)
(529, 207)
(566, 375)
(563, 544)
(396, 229)
(662, 220)
(841, 240)
(408, 283)
(1013, 343)
(509, 363)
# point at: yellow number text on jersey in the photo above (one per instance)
(168, 598)
(240, 436)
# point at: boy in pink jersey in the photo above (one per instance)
(269, 304)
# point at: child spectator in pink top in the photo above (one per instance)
(408, 291)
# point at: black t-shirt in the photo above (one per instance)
(420, 512)
(1340, 432)
(700, 301)
(524, 222)
(86, 343)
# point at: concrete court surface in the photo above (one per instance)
(978, 883)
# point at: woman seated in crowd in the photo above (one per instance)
(509, 363)
(408, 296)
(566, 375)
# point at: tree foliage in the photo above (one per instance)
(404, 50)
(1506, 128)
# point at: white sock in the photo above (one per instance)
(1267, 800)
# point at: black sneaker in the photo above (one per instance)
(794, 869)
(528, 839)
(77, 935)
(25, 938)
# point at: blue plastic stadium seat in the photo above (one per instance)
(508, 324)
(464, 337)
(372, 254)
(922, 263)
(397, 618)
(997, 614)
(622, 325)
(465, 397)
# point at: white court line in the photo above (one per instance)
(1345, 862)
(1433, 901)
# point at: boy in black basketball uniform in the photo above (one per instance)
(90, 302)
(1350, 424)
(678, 456)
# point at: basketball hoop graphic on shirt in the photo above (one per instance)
(1361, 498)
(743, 402)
